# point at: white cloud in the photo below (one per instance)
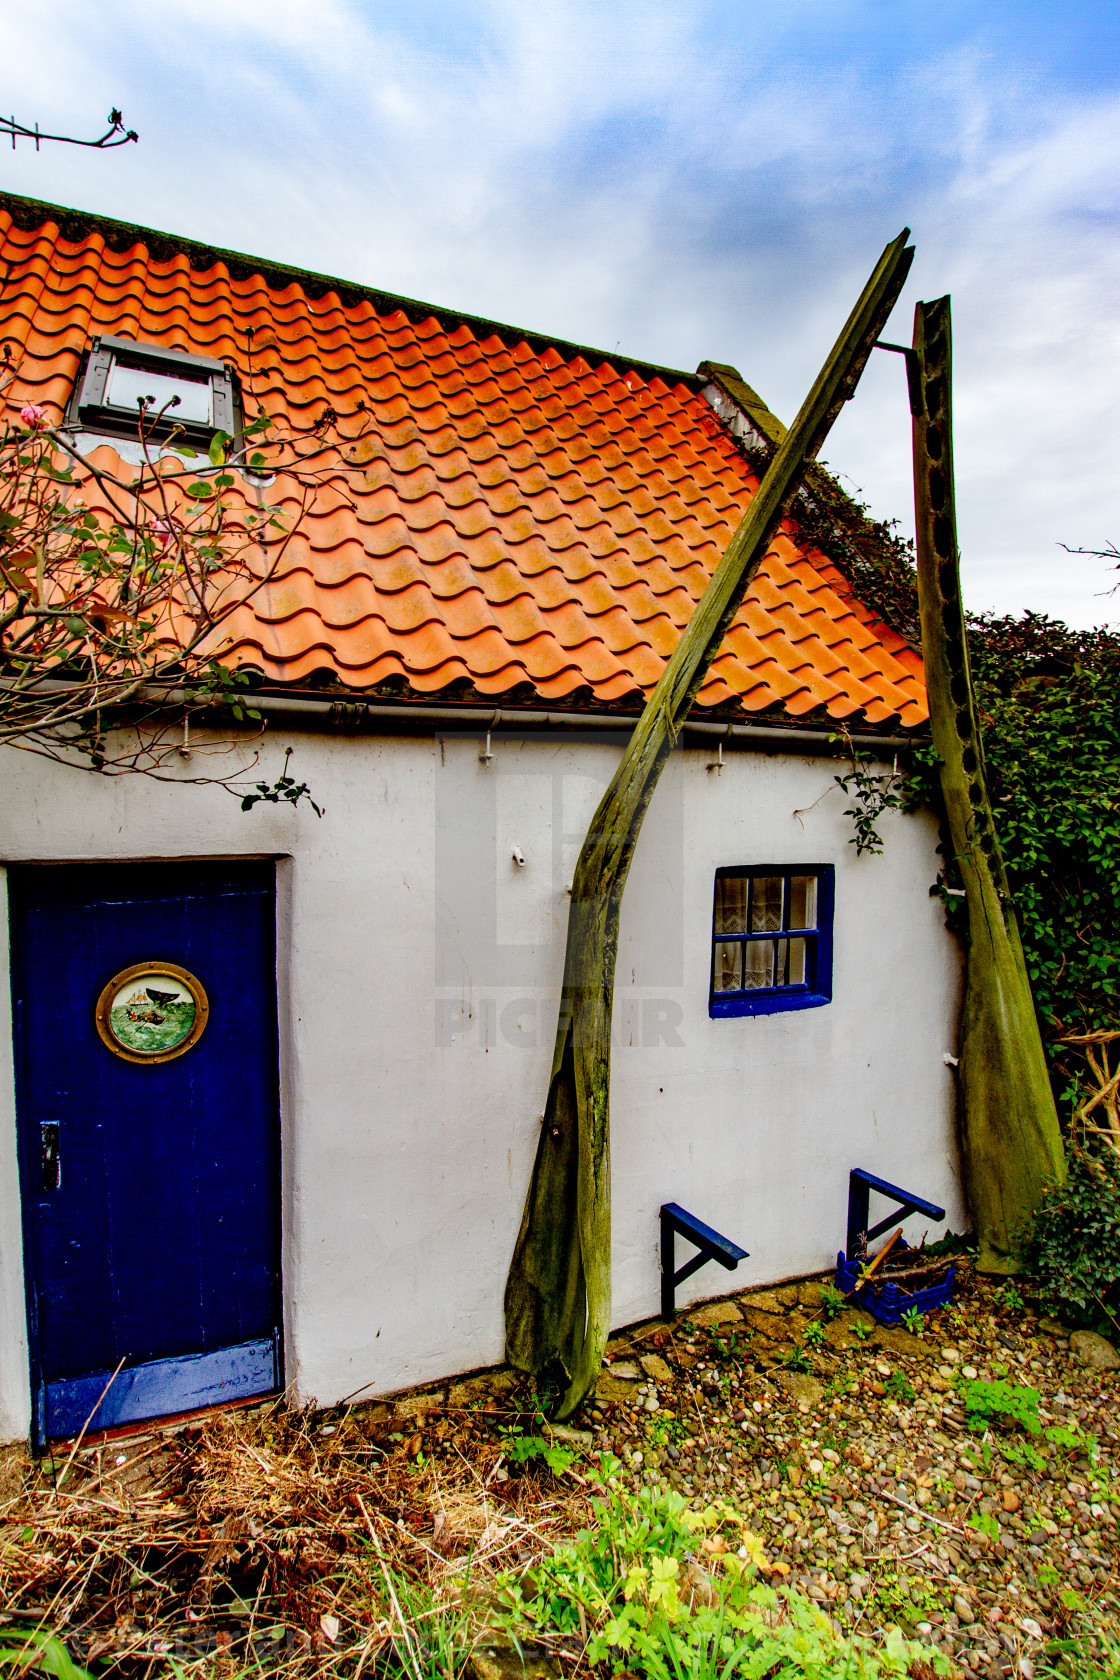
(685, 181)
(1024, 237)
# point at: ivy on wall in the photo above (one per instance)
(1050, 703)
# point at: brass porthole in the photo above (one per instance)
(152, 1012)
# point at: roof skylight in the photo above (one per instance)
(177, 390)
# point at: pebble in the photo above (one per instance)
(1094, 1351)
(654, 1366)
(862, 1478)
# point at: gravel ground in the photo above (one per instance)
(868, 1486)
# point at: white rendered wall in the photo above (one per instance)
(418, 977)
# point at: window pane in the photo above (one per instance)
(731, 904)
(797, 976)
(727, 967)
(759, 967)
(127, 384)
(803, 901)
(766, 904)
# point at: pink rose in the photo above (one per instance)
(32, 415)
(163, 530)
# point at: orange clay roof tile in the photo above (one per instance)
(517, 519)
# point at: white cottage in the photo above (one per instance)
(276, 1081)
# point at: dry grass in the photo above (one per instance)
(274, 1539)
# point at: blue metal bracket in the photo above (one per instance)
(712, 1246)
(860, 1186)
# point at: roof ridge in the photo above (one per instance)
(118, 235)
(745, 398)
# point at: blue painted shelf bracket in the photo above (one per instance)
(860, 1186)
(675, 1221)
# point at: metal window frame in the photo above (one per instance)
(772, 1000)
(92, 412)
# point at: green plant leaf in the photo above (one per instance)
(1001, 1401)
(36, 1650)
(219, 448)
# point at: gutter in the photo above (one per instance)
(357, 714)
(354, 716)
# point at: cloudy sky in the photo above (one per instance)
(668, 179)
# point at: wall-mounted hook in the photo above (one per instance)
(486, 756)
(717, 762)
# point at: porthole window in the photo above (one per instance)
(152, 1012)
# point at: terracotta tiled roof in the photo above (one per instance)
(527, 520)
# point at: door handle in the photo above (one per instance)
(50, 1164)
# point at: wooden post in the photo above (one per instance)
(558, 1293)
(1012, 1142)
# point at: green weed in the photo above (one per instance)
(729, 1349)
(832, 1302)
(1080, 1659)
(665, 1429)
(1002, 1403)
(674, 1594)
(25, 1648)
(1071, 1440)
(1021, 1452)
(842, 1383)
(521, 1448)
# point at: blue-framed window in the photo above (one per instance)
(772, 938)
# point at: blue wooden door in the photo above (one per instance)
(151, 1190)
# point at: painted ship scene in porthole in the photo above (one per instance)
(152, 1014)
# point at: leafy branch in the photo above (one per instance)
(872, 794)
(284, 789)
(125, 590)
